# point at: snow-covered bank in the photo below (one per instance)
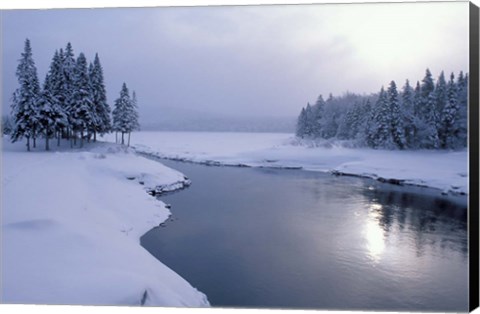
(444, 170)
(71, 224)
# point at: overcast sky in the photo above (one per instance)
(245, 61)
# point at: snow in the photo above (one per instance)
(71, 227)
(441, 169)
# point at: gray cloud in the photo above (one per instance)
(245, 61)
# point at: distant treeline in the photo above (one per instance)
(428, 116)
(72, 103)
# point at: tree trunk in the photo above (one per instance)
(28, 143)
(94, 136)
(116, 137)
(47, 147)
(74, 135)
(123, 141)
(81, 137)
(128, 138)
(58, 137)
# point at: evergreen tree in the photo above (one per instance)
(82, 112)
(309, 120)
(428, 116)
(26, 97)
(133, 116)
(102, 109)
(365, 122)
(54, 95)
(462, 88)
(396, 118)
(449, 128)
(301, 122)
(121, 119)
(134, 123)
(380, 133)
(427, 86)
(440, 94)
(52, 114)
(68, 87)
(317, 115)
(408, 115)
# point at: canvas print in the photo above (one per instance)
(267, 156)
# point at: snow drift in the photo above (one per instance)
(71, 228)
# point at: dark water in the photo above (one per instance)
(296, 239)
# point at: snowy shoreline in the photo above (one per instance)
(445, 171)
(71, 227)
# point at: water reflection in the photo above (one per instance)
(374, 234)
(429, 221)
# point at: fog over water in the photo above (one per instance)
(225, 65)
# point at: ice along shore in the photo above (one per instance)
(443, 170)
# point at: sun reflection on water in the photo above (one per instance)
(374, 234)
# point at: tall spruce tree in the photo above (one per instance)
(301, 122)
(317, 114)
(450, 128)
(120, 113)
(53, 86)
(26, 98)
(52, 117)
(82, 112)
(380, 136)
(408, 114)
(133, 114)
(396, 117)
(102, 109)
(68, 87)
(462, 88)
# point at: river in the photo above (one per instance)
(252, 237)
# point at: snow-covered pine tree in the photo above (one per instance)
(358, 114)
(56, 88)
(102, 109)
(407, 112)
(345, 128)
(430, 138)
(380, 133)
(440, 94)
(330, 119)
(449, 128)
(54, 83)
(68, 87)
(417, 119)
(120, 112)
(82, 112)
(301, 121)
(365, 116)
(25, 100)
(52, 117)
(133, 116)
(462, 87)
(317, 114)
(428, 117)
(396, 117)
(309, 121)
(427, 86)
